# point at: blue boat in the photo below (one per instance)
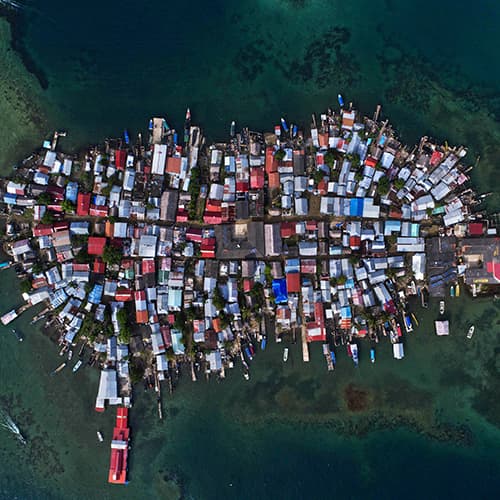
(126, 136)
(248, 353)
(295, 129)
(372, 354)
(263, 343)
(284, 125)
(4, 264)
(332, 355)
(150, 124)
(341, 100)
(175, 138)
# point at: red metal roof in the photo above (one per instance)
(99, 267)
(148, 266)
(96, 245)
(194, 234)
(98, 210)
(120, 158)
(271, 164)
(354, 242)
(274, 180)
(293, 282)
(42, 230)
(174, 165)
(83, 204)
(288, 229)
(123, 295)
(435, 158)
(476, 229)
(371, 162)
(257, 178)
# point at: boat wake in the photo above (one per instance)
(7, 423)
(11, 4)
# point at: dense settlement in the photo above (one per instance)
(170, 252)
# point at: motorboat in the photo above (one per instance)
(285, 354)
(470, 333)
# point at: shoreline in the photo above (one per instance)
(172, 255)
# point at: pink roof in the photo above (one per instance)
(96, 245)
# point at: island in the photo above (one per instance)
(167, 254)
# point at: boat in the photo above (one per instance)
(150, 127)
(175, 138)
(77, 365)
(7, 423)
(284, 125)
(407, 323)
(341, 100)
(349, 350)
(295, 129)
(246, 375)
(19, 337)
(100, 436)
(334, 359)
(248, 353)
(119, 448)
(441, 307)
(232, 130)
(470, 333)
(372, 355)
(414, 318)
(285, 354)
(58, 369)
(126, 137)
(398, 327)
(263, 343)
(70, 355)
(277, 130)
(187, 125)
(457, 290)
(452, 291)
(252, 350)
(354, 351)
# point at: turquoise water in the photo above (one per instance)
(426, 426)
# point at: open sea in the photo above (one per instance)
(424, 427)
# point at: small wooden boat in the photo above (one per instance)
(58, 369)
(470, 333)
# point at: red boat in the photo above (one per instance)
(119, 448)
(349, 351)
(400, 333)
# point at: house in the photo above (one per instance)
(96, 245)
(83, 204)
(272, 237)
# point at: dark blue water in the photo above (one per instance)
(427, 427)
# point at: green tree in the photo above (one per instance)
(279, 155)
(44, 199)
(67, 206)
(217, 299)
(329, 158)
(399, 183)
(341, 280)
(383, 186)
(47, 218)
(25, 286)
(37, 268)
(112, 255)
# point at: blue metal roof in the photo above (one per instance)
(280, 291)
(72, 191)
(96, 294)
(356, 208)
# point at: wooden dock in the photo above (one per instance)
(305, 345)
